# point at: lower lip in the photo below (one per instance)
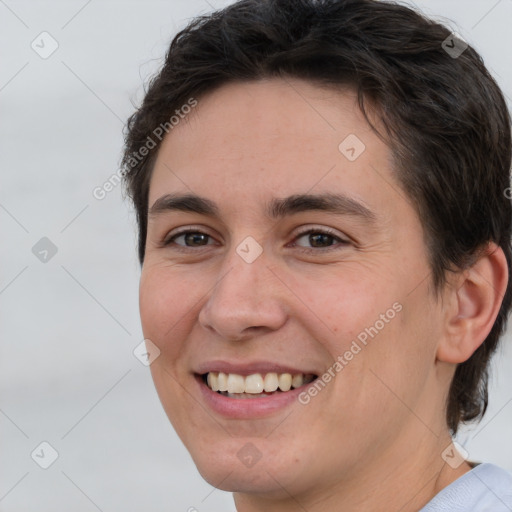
(247, 408)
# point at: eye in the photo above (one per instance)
(190, 237)
(319, 239)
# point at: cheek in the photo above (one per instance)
(392, 373)
(383, 335)
(340, 305)
(166, 303)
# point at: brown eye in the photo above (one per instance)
(190, 239)
(319, 239)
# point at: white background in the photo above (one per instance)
(68, 327)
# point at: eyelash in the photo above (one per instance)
(317, 231)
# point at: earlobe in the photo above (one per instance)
(476, 302)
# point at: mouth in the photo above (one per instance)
(256, 385)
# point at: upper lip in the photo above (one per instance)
(249, 368)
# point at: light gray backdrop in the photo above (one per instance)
(69, 321)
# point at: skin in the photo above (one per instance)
(373, 438)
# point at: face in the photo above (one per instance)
(298, 254)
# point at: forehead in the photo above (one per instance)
(248, 142)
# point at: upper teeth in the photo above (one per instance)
(255, 383)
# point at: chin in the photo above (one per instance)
(236, 465)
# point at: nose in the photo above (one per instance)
(246, 300)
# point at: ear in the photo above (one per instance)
(475, 301)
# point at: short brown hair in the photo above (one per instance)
(445, 118)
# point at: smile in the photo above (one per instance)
(256, 385)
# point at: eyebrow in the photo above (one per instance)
(339, 204)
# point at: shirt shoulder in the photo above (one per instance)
(486, 488)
